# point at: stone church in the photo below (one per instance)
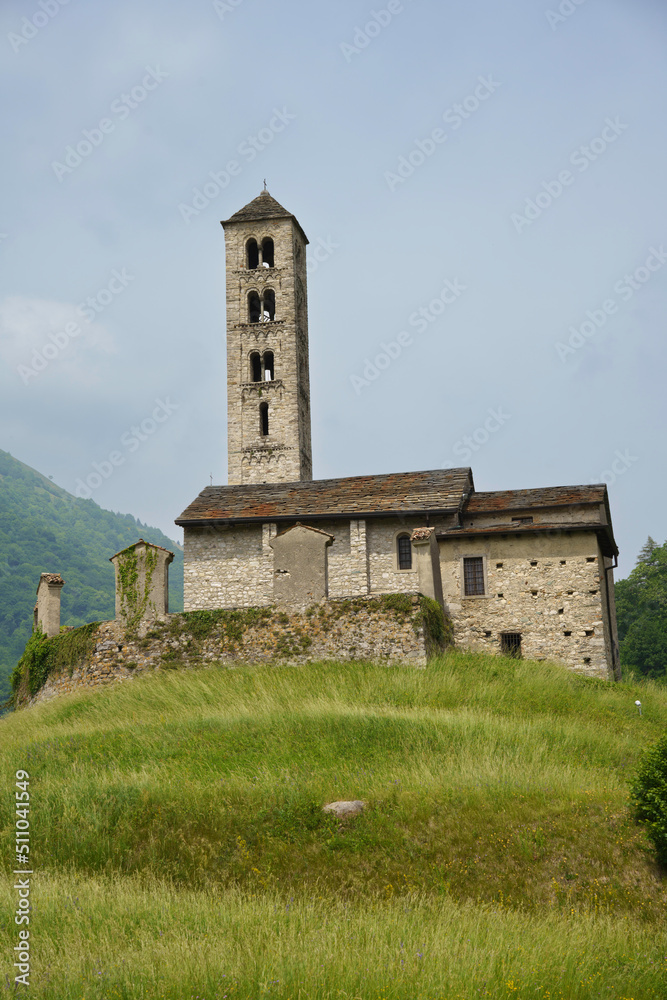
(522, 572)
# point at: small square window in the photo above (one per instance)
(590, 558)
(500, 595)
(473, 576)
(488, 635)
(590, 632)
(533, 562)
(562, 562)
(499, 565)
(510, 644)
(567, 633)
(534, 593)
(561, 611)
(587, 659)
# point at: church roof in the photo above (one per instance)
(439, 490)
(264, 206)
(549, 496)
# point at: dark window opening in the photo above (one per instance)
(263, 419)
(267, 251)
(570, 592)
(567, 633)
(533, 562)
(473, 576)
(269, 305)
(255, 367)
(268, 366)
(587, 659)
(510, 644)
(561, 611)
(488, 635)
(522, 520)
(562, 562)
(499, 565)
(592, 591)
(404, 549)
(500, 595)
(254, 307)
(534, 593)
(590, 558)
(590, 632)
(252, 254)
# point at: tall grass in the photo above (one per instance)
(497, 805)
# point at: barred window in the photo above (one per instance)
(510, 644)
(404, 547)
(473, 576)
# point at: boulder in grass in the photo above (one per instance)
(345, 808)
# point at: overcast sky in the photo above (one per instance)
(483, 184)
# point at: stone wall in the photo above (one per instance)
(284, 455)
(396, 628)
(551, 590)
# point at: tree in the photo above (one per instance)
(641, 609)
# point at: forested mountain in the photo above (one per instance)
(641, 609)
(44, 529)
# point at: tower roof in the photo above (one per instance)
(264, 206)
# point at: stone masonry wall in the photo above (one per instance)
(284, 455)
(393, 629)
(549, 589)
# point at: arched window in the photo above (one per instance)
(404, 552)
(254, 307)
(267, 251)
(268, 366)
(255, 367)
(269, 305)
(263, 419)
(252, 254)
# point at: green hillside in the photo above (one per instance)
(45, 529)
(181, 850)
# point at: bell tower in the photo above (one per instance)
(268, 384)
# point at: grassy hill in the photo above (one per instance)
(43, 528)
(181, 850)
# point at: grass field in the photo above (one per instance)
(180, 848)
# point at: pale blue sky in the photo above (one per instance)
(211, 75)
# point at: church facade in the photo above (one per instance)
(526, 572)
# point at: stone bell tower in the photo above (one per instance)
(268, 385)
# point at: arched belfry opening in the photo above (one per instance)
(252, 254)
(254, 307)
(267, 252)
(255, 367)
(268, 396)
(269, 305)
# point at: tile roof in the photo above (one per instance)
(264, 206)
(396, 493)
(550, 496)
